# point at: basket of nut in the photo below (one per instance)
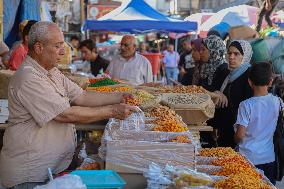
(194, 108)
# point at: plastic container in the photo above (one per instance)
(100, 178)
(261, 52)
(278, 58)
(221, 30)
(154, 59)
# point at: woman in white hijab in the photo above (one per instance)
(231, 87)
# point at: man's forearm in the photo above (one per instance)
(94, 99)
(78, 114)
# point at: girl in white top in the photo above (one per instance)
(256, 121)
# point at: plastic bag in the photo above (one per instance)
(88, 163)
(179, 177)
(157, 178)
(64, 182)
(190, 178)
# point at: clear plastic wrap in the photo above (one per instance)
(203, 160)
(64, 182)
(208, 169)
(137, 155)
(127, 148)
(113, 132)
(136, 121)
(179, 177)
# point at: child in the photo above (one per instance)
(256, 121)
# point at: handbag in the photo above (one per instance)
(278, 140)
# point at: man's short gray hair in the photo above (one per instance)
(38, 33)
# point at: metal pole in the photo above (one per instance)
(176, 44)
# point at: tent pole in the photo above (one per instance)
(176, 44)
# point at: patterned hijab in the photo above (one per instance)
(247, 50)
(245, 64)
(217, 51)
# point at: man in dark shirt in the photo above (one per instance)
(186, 63)
(89, 52)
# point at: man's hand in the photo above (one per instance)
(182, 71)
(122, 111)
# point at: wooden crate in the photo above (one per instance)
(191, 114)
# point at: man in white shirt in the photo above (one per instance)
(130, 66)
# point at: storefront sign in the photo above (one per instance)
(97, 11)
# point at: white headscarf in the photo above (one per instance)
(245, 64)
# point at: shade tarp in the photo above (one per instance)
(14, 12)
(138, 17)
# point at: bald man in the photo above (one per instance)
(43, 107)
(129, 65)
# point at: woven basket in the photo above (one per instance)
(5, 76)
(151, 103)
(195, 113)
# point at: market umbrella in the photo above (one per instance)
(200, 18)
(234, 16)
(136, 16)
(278, 18)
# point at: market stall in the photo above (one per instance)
(162, 138)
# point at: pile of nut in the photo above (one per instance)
(217, 152)
(161, 112)
(183, 89)
(109, 89)
(167, 119)
(180, 139)
(241, 180)
(185, 99)
(239, 172)
(140, 96)
(169, 126)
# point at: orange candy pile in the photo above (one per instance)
(241, 181)
(181, 139)
(217, 152)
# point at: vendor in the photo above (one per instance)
(43, 106)
(129, 65)
(89, 52)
